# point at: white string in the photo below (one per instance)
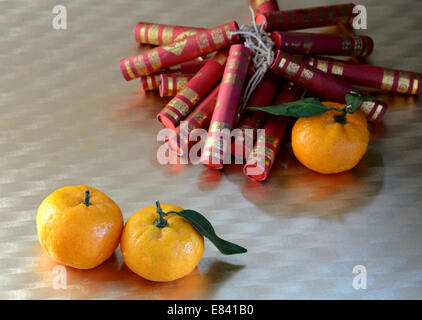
(258, 41)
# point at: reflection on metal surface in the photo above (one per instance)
(115, 278)
(317, 193)
(68, 117)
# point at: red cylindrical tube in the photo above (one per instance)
(171, 84)
(189, 67)
(161, 34)
(374, 110)
(150, 82)
(199, 118)
(261, 159)
(224, 115)
(324, 85)
(151, 61)
(320, 43)
(252, 120)
(306, 18)
(197, 88)
(261, 6)
(370, 76)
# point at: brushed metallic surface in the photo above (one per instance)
(68, 117)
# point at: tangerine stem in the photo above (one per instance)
(341, 118)
(160, 222)
(86, 200)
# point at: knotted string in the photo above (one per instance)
(258, 41)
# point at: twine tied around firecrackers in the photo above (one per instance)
(257, 40)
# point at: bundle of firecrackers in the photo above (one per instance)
(205, 72)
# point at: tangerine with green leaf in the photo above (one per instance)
(165, 242)
(160, 248)
(331, 142)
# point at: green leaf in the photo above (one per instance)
(307, 107)
(204, 227)
(354, 100)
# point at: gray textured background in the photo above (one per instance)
(68, 117)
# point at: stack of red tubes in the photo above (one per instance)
(205, 72)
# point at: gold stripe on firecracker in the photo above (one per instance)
(232, 78)
(218, 126)
(170, 86)
(282, 62)
(217, 36)
(180, 106)
(139, 63)
(180, 83)
(305, 76)
(357, 46)
(199, 116)
(171, 113)
(220, 59)
(235, 64)
(240, 53)
(149, 82)
(415, 84)
(129, 70)
(347, 44)
(202, 41)
(153, 33)
(154, 59)
(337, 68)
(376, 113)
(322, 65)
(387, 80)
(190, 95)
(227, 31)
(403, 82)
(270, 139)
(167, 34)
(365, 52)
(292, 68)
(142, 33)
(367, 108)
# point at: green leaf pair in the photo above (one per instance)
(309, 107)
